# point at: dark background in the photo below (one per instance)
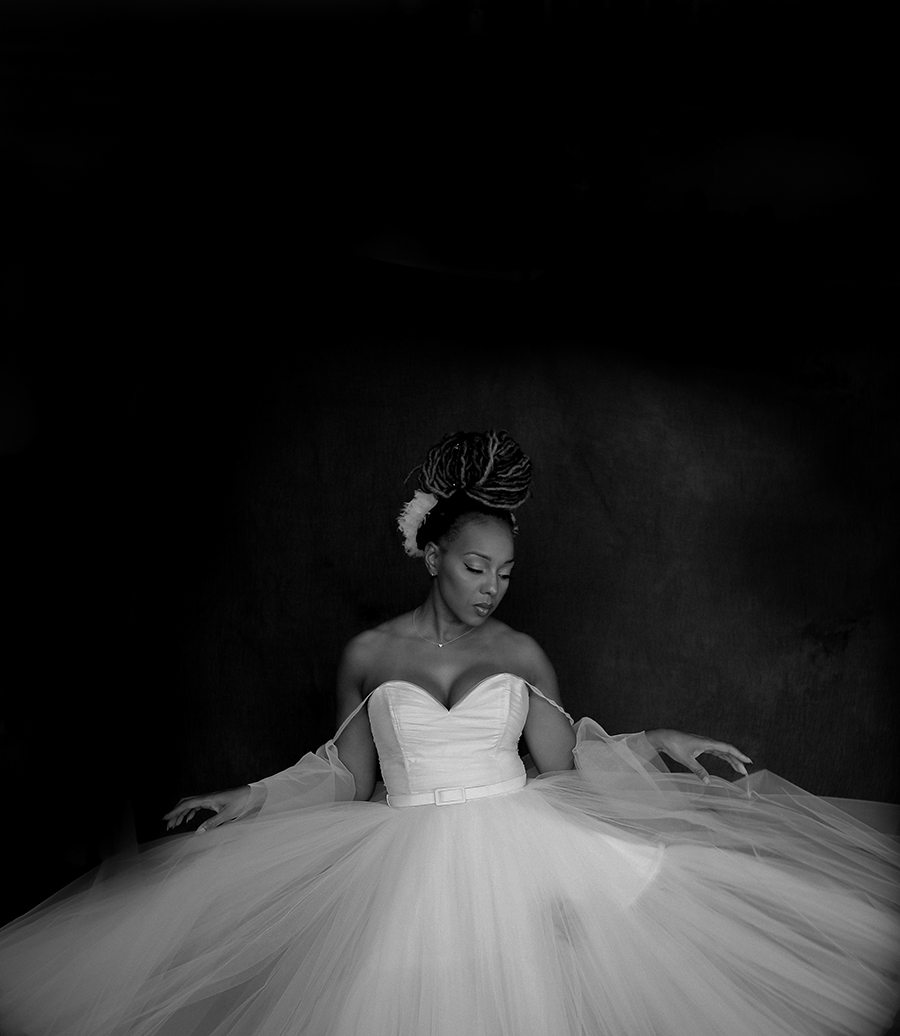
(256, 260)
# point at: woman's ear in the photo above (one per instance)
(432, 558)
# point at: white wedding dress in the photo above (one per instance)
(617, 899)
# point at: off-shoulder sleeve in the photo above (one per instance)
(596, 750)
(615, 753)
(319, 778)
(550, 701)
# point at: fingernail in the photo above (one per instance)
(201, 830)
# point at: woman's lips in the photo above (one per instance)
(483, 609)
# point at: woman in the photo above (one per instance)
(606, 896)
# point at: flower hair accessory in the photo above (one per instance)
(411, 517)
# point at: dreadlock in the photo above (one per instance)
(483, 473)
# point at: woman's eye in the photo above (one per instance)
(480, 572)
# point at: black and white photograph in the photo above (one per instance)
(449, 457)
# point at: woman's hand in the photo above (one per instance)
(684, 749)
(227, 805)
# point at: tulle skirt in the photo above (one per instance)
(597, 902)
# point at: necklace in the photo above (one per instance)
(427, 641)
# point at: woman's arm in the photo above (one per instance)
(334, 773)
(548, 733)
(356, 747)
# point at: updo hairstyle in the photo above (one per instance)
(473, 475)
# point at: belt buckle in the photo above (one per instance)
(449, 796)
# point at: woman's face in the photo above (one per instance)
(472, 571)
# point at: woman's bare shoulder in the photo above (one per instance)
(509, 637)
(364, 650)
(525, 653)
(530, 661)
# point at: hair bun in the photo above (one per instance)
(489, 467)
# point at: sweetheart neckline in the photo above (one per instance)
(458, 701)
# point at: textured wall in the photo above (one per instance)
(707, 548)
(195, 532)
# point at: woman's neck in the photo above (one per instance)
(435, 622)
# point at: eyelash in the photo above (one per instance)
(507, 575)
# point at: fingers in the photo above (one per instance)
(219, 818)
(227, 805)
(723, 751)
(733, 756)
(733, 762)
(186, 810)
(179, 818)
(727, 751)
(182, 806)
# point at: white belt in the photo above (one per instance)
(450, 796)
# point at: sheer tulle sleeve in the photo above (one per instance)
(627, 754)
(623, 780)
(318, 779)
(632, 751)
(630, 755)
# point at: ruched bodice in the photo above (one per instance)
(423, 745)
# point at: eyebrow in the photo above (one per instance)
(487, 557)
